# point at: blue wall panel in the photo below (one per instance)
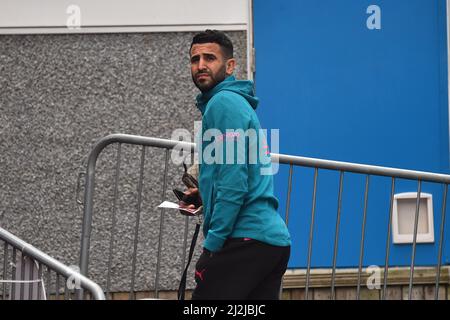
(337, 90)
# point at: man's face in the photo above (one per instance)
(208, 65)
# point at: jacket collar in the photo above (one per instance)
(204, 97)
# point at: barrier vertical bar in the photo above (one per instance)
(161, 226)
(336, 238)
(388, 240)
(22, 275)
(31, 284)
(288, 200)
(138, 217)
(5, 267)
(441, 241)
(40, 283)
(311, 233)
(114, 220)
(416, 224)
(186, 229)
(363, 230)
(49, 274)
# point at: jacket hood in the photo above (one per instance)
(241, 87)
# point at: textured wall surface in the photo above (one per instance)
(58, 95)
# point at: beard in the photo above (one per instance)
(207, 84)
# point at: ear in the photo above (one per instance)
(231, 64)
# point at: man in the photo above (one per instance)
(247, 243)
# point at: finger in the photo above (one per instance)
(192, 190)
(182, 204)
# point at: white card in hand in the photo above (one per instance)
(172, 205)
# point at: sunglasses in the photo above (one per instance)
(188, 179)
(190, 182)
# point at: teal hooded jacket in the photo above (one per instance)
(235, 176)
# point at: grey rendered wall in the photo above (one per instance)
(58, 95)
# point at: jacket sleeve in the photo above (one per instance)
(229, 114)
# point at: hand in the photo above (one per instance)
(192, 192)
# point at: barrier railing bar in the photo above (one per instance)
(361, 168)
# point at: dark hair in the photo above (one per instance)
(215, 36)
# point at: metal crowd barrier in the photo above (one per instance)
(24, 277)
(293, 161)
(369, 171)
(88, 203)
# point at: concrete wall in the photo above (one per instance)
(58, 95)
